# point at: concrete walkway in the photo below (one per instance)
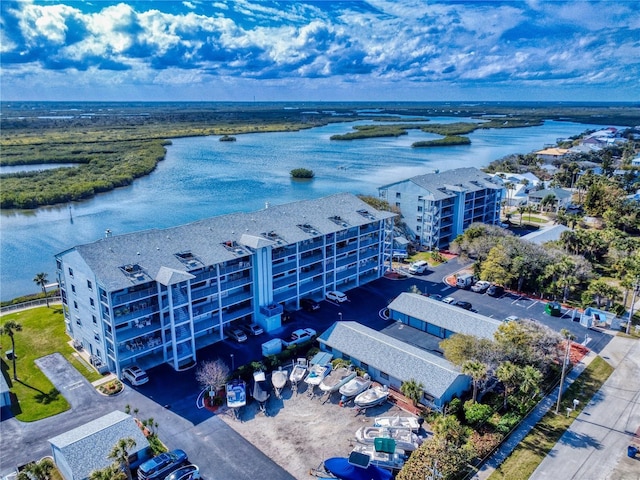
(594, 447)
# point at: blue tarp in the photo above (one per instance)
(321, 358)
(342, 469)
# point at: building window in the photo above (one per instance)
(73, 288)
(384, 375)
(89, 285)
(398, 204)
(398, 195)
(78, 321)
(70, 272)
(417, 228)
(419, 208)
(96, 336)
(92, 302)
(75, 304)
(95, 320)
(419, 219)
(346, 357)
(365, 366)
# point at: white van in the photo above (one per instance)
(465, 280)
(418, 267)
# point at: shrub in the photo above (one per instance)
(302, 173)
(507, 422)
(476, 413)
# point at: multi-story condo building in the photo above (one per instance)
(437, 207)
(157, 296)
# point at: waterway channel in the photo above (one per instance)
(203, 177)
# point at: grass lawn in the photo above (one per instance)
(535, 446)
(43, 333)
(427, 256)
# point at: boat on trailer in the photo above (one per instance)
(354, 387)
(376, 395)
(236, 395)
(336, 379)
(298, 372)
(279, 380)
(260, 392)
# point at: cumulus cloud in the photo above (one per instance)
(408, 44)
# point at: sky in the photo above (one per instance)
(322, 50)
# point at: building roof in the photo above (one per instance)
(86, 448)
(218, 239)
(558, 193)
(544, 235)
(392, 356)
(446, 184)
(449, 317)
(554, 151)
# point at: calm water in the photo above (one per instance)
(203, 177)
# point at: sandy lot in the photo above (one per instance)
(299, 432)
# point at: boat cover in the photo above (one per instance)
(342, 469)
(321, 358)
(384, 445)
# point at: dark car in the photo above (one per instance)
(495, 291)
(287, 316)
(309, 304)
(162, 465)
(463, 304)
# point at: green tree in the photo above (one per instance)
(9, 328)
(448, 429)
(41, 280)
(530, 378)
(477, 371)
(413, 390)
(507, 372)
(41, 470)
(120, 453)
(112, 472)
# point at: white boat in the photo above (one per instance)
(371, 397)
(236, 393)
(394, 460)
(298, 371)
(260, 392)
(404, 437)
(336, 379)
(317, 373)
(354, 387)
(279, 380)
(398, 421)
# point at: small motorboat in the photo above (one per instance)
(354, 387)
(356, 467)
(298, 372)
(236, 395)
(397, 421)
(316, 374)
(336, 379)
(279, 380)
(372, 397)
(260, 392)
(393, 459)
(405, 439)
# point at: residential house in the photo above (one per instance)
(547, 234)
(517, 186)
(158, 296)
(552, 154)
(561, 198)
(85, 449)
(439, 206)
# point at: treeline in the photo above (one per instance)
(95, 173)
(374, 131)
(443, 142)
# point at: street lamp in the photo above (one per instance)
(232, 364)
(636, 284)
(564, 368)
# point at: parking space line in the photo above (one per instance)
(532, 304)
(517, 299)
(74, 385)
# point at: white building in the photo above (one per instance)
(437, 207)
(158, 296)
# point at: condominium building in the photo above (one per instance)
(158, 296)
(437, 207)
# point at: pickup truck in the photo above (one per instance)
(301, 335)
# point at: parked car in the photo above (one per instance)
(480, 286)
(301, 335)
(511, 318)
(336, 296)
(135, 375)
(465, 280)
(495, 291)
(188, 472)
(434, 296)
(309, 304)
(237, 334)
(463, 304)
(162, 465)
(253, 329)
(419, 267)
(448, 300)
(287, 316)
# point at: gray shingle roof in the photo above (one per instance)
(467, 179)
(86, 448)
(391, 356)
(154, 249)
(454, 319)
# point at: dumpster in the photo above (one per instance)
(553, 308)
(272, 347)
(631, 451)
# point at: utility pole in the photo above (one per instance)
(636, 284)
(564, 369)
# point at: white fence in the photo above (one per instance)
(31, 304)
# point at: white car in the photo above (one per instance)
(237, 334)
(135, 375)
(511, 318)
(448, 300)
(336, 296)
(301, 335)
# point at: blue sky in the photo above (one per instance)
(322, 50)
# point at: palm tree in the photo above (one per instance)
(477, 371)
(9, 328)
(120, 453)
(41, 279)
(37, 470)
(530, 378)
(412, 389)
(508, 374)
(112, 472)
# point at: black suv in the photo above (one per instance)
(309, 304)
(495, 291)
(162, 465)
(463, 304)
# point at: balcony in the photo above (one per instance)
(123, 298)
(305, 247)
(271, 310)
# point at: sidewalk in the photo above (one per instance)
(529, 422)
